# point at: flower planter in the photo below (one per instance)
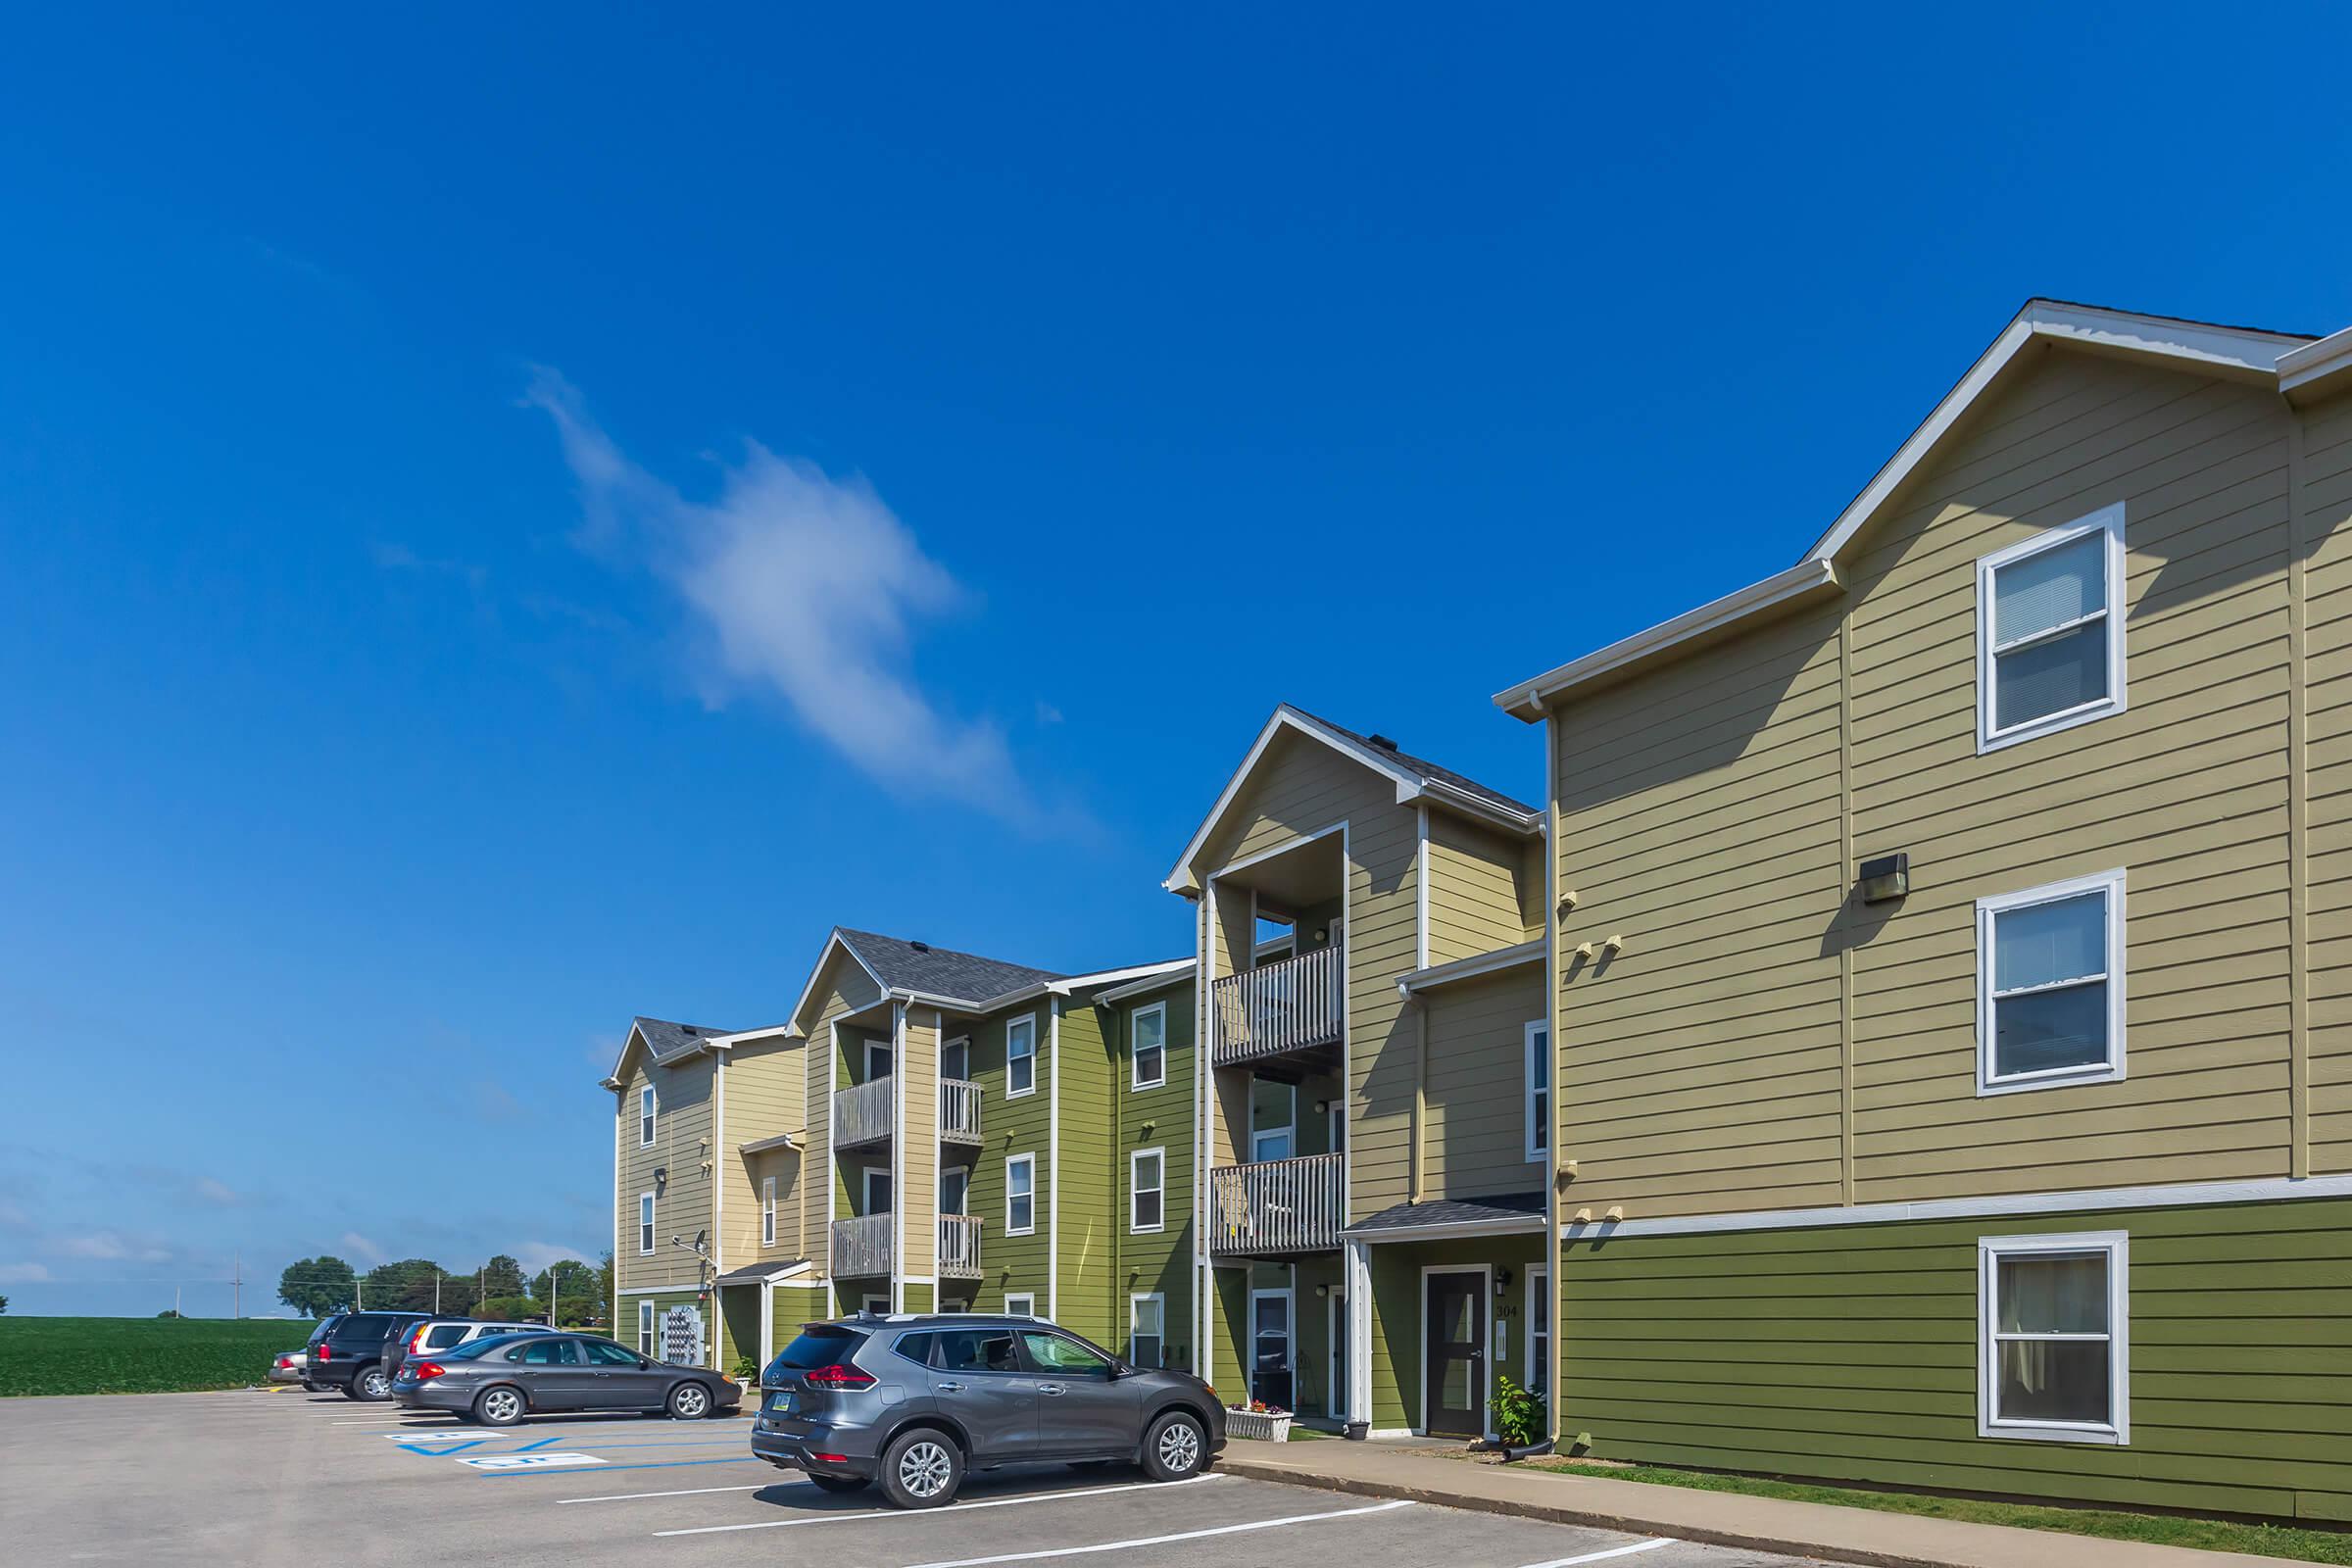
(1266, 1426)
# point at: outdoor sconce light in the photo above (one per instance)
(660, 1178)
(1503, 1280)
(1615, 945)
(1322, 1291)
(1583, 951)
(1567, 900)
(1885, 879)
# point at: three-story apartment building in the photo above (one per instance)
(1949, 957)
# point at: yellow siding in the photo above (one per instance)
(2326, 494)
(766, 1080)
(1477, 893)
(1476, 1132)
(682, 1128)
(917, 1196)
(842, 989)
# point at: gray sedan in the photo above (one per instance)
(498, 1381)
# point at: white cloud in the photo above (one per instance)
(108, 1246)
(25, 1274)
(807, 587)
(216, 1192)
(536, 1256)
(361, 1248)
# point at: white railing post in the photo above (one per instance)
(960, 1110)
(1276, 1205)
(1276, 1008)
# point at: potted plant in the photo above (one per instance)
(1257, 1419)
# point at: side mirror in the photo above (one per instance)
(643, 1365)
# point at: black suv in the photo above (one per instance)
(346, 1353)
(915, 1402)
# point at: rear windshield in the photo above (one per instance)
(364, 1326)
(820, 1344)
(325, 1327)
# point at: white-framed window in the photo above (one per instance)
(877, 1189)
(646, 1339)
(1020, 1303)
(956, 1059)
(878, 1059)
(644, 1117)
(2054, 1342)
(1539, 1330)
(1273, 1119)
(2050, 985)
(1020, 1056)
(1149, 1033)
(954, 1189)
(2050, 631)
(768, 1211)
(1147, 1329)
(1145, 1169)
(1539, 1088)
(1020, 1195)
(645, 1222)
(879, 1304)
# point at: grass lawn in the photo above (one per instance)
(140, 1355)
(2209, 1534)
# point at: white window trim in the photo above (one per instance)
(1288, 1126)
(1539, 1288)
(1028, 1306)
(865, 1189)
(2116, 1431)
(963, 1198)
(874, 1303)
(649, 1339)
(1134, 1057)
(2111, 1070)
(1534, 1124)
(1289, 1339)
(1010, 1092)
(1158, 1152)
(884, 1047)
(649, 1223)
(2107, 519)
(964, 1041)
(1029, 1161)
(1133, 1301)
(648, 1106)
(768, 1211)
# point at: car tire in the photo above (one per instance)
(922, 1469)
(371, 1383)
(690, 1401)
(501, 1407)
(841, 1483)
(1175, 1447)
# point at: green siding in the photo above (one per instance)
(1091, 1198)
(1011, 1264)
(1396, 1327)
(1151, 1264)
(1849, 1353)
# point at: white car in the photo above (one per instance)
(447, 1334)
(287, 1366)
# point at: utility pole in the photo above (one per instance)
(236, 1284)
(436, 1291)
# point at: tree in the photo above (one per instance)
(511, 1309)
(3, 1304)
(406, 1286)
(604, 1286)
(501, 1276)
(316, 1285)
(575, 1291)
(169, 1311)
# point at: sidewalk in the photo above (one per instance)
(1766, 1524)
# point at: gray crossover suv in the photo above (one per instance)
(913, 1402)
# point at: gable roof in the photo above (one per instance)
(900, 965)
(664, 1041)
(1417, 779)
(2234, 353)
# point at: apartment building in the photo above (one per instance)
(1950, 956)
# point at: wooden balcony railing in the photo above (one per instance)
(958, 1114)
(865, 1113)
(1278, 1205)
(1279, 1007)
(863, 1246)
(959, 1246)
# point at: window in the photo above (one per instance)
(1020, 1303)
(546, 1353)
(2050, 985)
(977, 1349)
(1150, 1037)
(1147, 1331)
(1539, 1331)
(877, 1059)
(1273, 1119)
(1539, 1088)
(768, 1211)
(1052, 1352)
(441, 1335)
(2053, 1356)
(645, 1117)
(955, 1060)
(877, 1305)
(2050, 631)
(954, 1189)
(645, 1328)
(1144, 1168)
(1020, 1195)
(877, 1189)
(1020, 1057)
(645, 1222)
(604, 1353)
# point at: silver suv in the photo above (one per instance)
(916, 1403)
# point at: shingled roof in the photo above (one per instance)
(905, 965)
(1430, 771)
(666, 1039)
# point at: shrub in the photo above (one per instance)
(1518, 1413)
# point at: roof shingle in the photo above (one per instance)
(937, 971)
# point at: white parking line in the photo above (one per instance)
(1599, 1556)
(690, 1492)
(960, 1508)
(1162, 1540)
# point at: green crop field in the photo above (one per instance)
(140, 1355)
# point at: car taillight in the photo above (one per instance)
(830, 1459)
(323, 1354)
(838, 1376)
(429, 1369)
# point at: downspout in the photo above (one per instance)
(1555, 1269)
(1414, 1005)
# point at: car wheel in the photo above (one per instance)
(922, 1469)
(498, 1408)
(840, 1483)
(372, 1383)
(1175, 1447)
(689, 1401)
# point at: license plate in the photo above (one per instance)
(779, 1403)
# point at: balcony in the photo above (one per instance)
(959, 1246)
(1278, 1205)
(863, 1246)
(866, 1112)
(958, 1116)
(1279, 1009)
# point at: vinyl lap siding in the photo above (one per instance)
(1011, 1264)
(1476, 1129)
(1090, 1195)
(844, 989)
(915, 1197)
(1143, 1119)
(681, 1121)
(2327, 528)
(1476, 893)
(766, 1080)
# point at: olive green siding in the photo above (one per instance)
(1152, 1119)
(1397, 1320)
(1849, 1353)
(2322, 490)
(1013, 1126)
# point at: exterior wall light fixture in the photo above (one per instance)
(1886, 878)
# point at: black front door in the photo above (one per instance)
(1454, 1369)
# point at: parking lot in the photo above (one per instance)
(294, 1478)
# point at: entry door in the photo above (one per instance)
(1335, 1400)
(1455, 1364)
(1270, 1348)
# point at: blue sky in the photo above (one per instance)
(516, 518)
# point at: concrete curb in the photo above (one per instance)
(1562, 1515)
